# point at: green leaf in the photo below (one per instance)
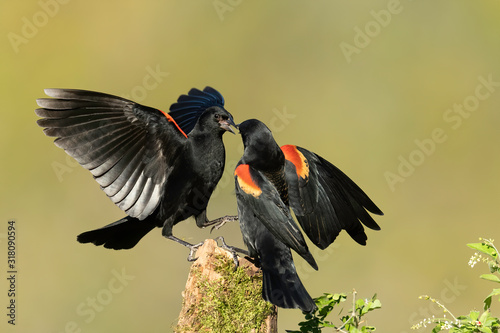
(376, 305)
(487, 303)
(436, 329)
(487, 300)
(484, 317)
(490, 277)
(484, 248)
(474, 315)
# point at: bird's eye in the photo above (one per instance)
(216, 116)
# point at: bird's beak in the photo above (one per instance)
(227, 123)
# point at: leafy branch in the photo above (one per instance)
(474, 321)
(351, 322)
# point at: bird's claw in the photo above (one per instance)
(193, 248)
(218, 223)
(231, 250)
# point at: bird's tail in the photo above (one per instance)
(282, 286)
(122, 234)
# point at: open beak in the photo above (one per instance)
(227, 123)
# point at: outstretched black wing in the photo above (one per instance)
(325, 200)
(256, 195)
(129, 148)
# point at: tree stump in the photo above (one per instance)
(218, 298)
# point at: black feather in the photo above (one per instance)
(189, 108)
(140, 156)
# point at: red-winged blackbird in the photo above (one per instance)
(269, 180)
(160, 168)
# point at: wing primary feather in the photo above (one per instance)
(110, 154)
(325, 200)
(129, 148)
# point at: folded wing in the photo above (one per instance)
(256, 194)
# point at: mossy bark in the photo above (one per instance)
(218, 298)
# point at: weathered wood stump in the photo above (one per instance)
(218, 298)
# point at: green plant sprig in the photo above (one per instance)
(474, 321)
(352, 322)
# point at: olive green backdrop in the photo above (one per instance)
(403, 96)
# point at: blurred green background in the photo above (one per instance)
(362, 84)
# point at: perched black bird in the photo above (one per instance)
(269, 180)
(160, 168)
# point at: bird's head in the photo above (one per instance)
(254, 132)
(216, 117)
(202, 109)
(261, 149)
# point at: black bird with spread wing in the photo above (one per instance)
(269, 181)
(160, 168)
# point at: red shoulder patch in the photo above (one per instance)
(170, 119)
(245, 181)
(297, 158)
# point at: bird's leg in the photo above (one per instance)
(192, 247)
(202, 221)
(233, 250)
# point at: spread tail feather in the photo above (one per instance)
(122, 234)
